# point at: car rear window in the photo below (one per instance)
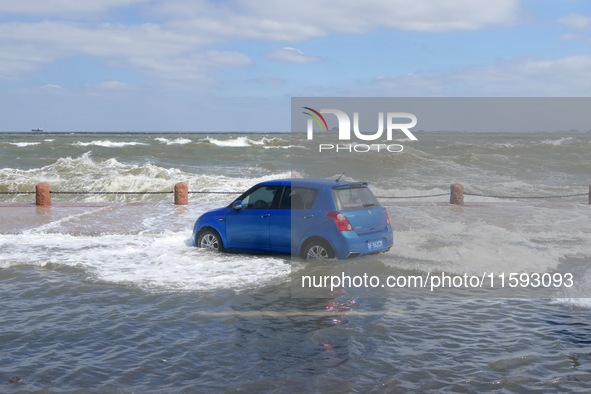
(354, 198)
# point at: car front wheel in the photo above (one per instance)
(210, 239)
(317, 249)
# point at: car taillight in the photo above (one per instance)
(340, 220)
(387, 216)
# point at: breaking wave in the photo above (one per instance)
(108, 144)
(241, 142)
(85, 173)
(176, 141)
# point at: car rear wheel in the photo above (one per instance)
(210, 239)
(317, 249)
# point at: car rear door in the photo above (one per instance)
(280, 224)
(292, 220)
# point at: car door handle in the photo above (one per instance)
(308, 216)
(266, 215)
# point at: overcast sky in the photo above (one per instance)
(233, 65)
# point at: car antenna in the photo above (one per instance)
(339, 178)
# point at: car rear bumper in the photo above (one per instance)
(349, 245)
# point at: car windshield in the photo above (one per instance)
(354, 198)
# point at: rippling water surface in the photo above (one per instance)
(106, 293)
(64, 332)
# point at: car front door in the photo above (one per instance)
(248, 227)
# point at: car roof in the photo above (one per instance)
(313, 182)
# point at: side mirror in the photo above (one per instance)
(237, 205)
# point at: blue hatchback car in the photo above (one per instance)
(311, 218)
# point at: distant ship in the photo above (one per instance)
(38, 129)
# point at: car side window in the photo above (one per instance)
(260, 198)
(298, 198)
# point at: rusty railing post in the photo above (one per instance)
(43, 194)
(457, 194)
(181, 194)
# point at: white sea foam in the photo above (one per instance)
(176, 141)
(558, 142)
(285, 147)
(24, 144)
(108, 144)
(160, 262)
(504, 145)
(473, 249)
(406, 194)
(489, 237)
(241, 142)
(574, 302)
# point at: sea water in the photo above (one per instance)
(107, 293)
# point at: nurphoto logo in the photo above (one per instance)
(395, 121)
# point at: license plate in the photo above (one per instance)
(372, 245)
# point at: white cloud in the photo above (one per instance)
(187, 29)
(567, 76)
(150, 47)
(291, 55)
(264, 19)
(233, 26)
(62, 7)
(569, 37)
(51, 87)
(196, 66)
(227, 58)
(268, 81)
(575, 21)
(97, 40)
(113, 85)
